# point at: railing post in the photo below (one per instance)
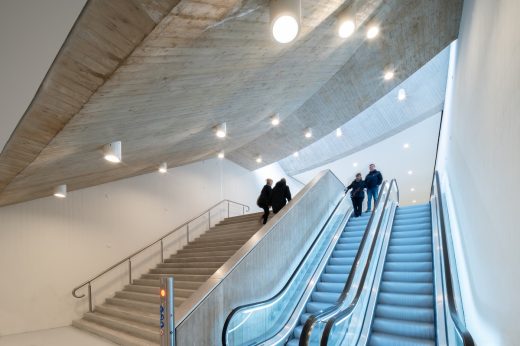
(227, 208)
(162, 252)
(129, 271)
(243, 209)
(188, 232)
(89, 298)
(209, 219)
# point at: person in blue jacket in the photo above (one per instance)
(373, 180)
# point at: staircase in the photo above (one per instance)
(335, 274)
(131, 316)
(404, 312)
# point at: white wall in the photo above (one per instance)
(479, 157)
(31, 34)
(394, 161)
(48, 246)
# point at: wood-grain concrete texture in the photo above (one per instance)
(262, 266)
(425, 91)
(160, 85)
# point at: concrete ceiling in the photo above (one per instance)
(425, 91)
(394, 161)
(159, 75)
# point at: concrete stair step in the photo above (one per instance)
(239, 235)
(179, 277)
(227, 253)
(151, 319)
(174, 271)
(116, 336)
(133, 328)
(140, 306)
(195, 244)
(205, 258)
(214, 265)
(210, 247)
(179, 292)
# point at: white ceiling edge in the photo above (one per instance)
(425, 91)
(394, 161)
(31, 35)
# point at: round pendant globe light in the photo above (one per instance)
(285, 19)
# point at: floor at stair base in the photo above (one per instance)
(131, 316)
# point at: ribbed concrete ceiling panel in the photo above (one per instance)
(425, 91)
(412, 33)
(203, 63)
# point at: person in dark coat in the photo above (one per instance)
(357, 194)
(373, 180)
(281, 193)
(264, 200)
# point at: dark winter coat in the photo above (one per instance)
(280, 194)
(357, 189)
(264, 200)
(373, 179)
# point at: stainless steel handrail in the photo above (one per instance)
(331, 311)
(455, 314)
(128, 259)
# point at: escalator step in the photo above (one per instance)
(407, 287)
(381, 339)
(330, 287)
(325, 297)
(405, 313)
(408, 266)
(337, 269)
(408, 277)
(410, 257)
(413, 300)
(410, 329)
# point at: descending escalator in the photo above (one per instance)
(335, 274)
(404, 312)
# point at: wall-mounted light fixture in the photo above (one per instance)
(60, 191)
(112, 152)
(220, 130)
(163, 168)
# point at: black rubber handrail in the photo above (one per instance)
(302, 262)
(455, 314)
(331, 311)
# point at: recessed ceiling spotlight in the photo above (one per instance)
(275, 120)
(60, 191)
(412, 189)
(410, 172)
(221, 155)
(414, 201)
(163, 168)
(339, 133)
(389, 75)
(285, 19)
(259, 159)
(112, 152)
(296, 154)
(401, 95)
(406, 145)
(346, 28)
(308, 132)
(372, 32)
(355, 164)
(221, 130)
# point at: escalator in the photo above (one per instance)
(404, 312)
(335, 274)
(311, 289)
(411, 297)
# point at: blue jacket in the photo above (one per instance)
(373, 179)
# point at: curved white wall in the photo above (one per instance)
(479, 154)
